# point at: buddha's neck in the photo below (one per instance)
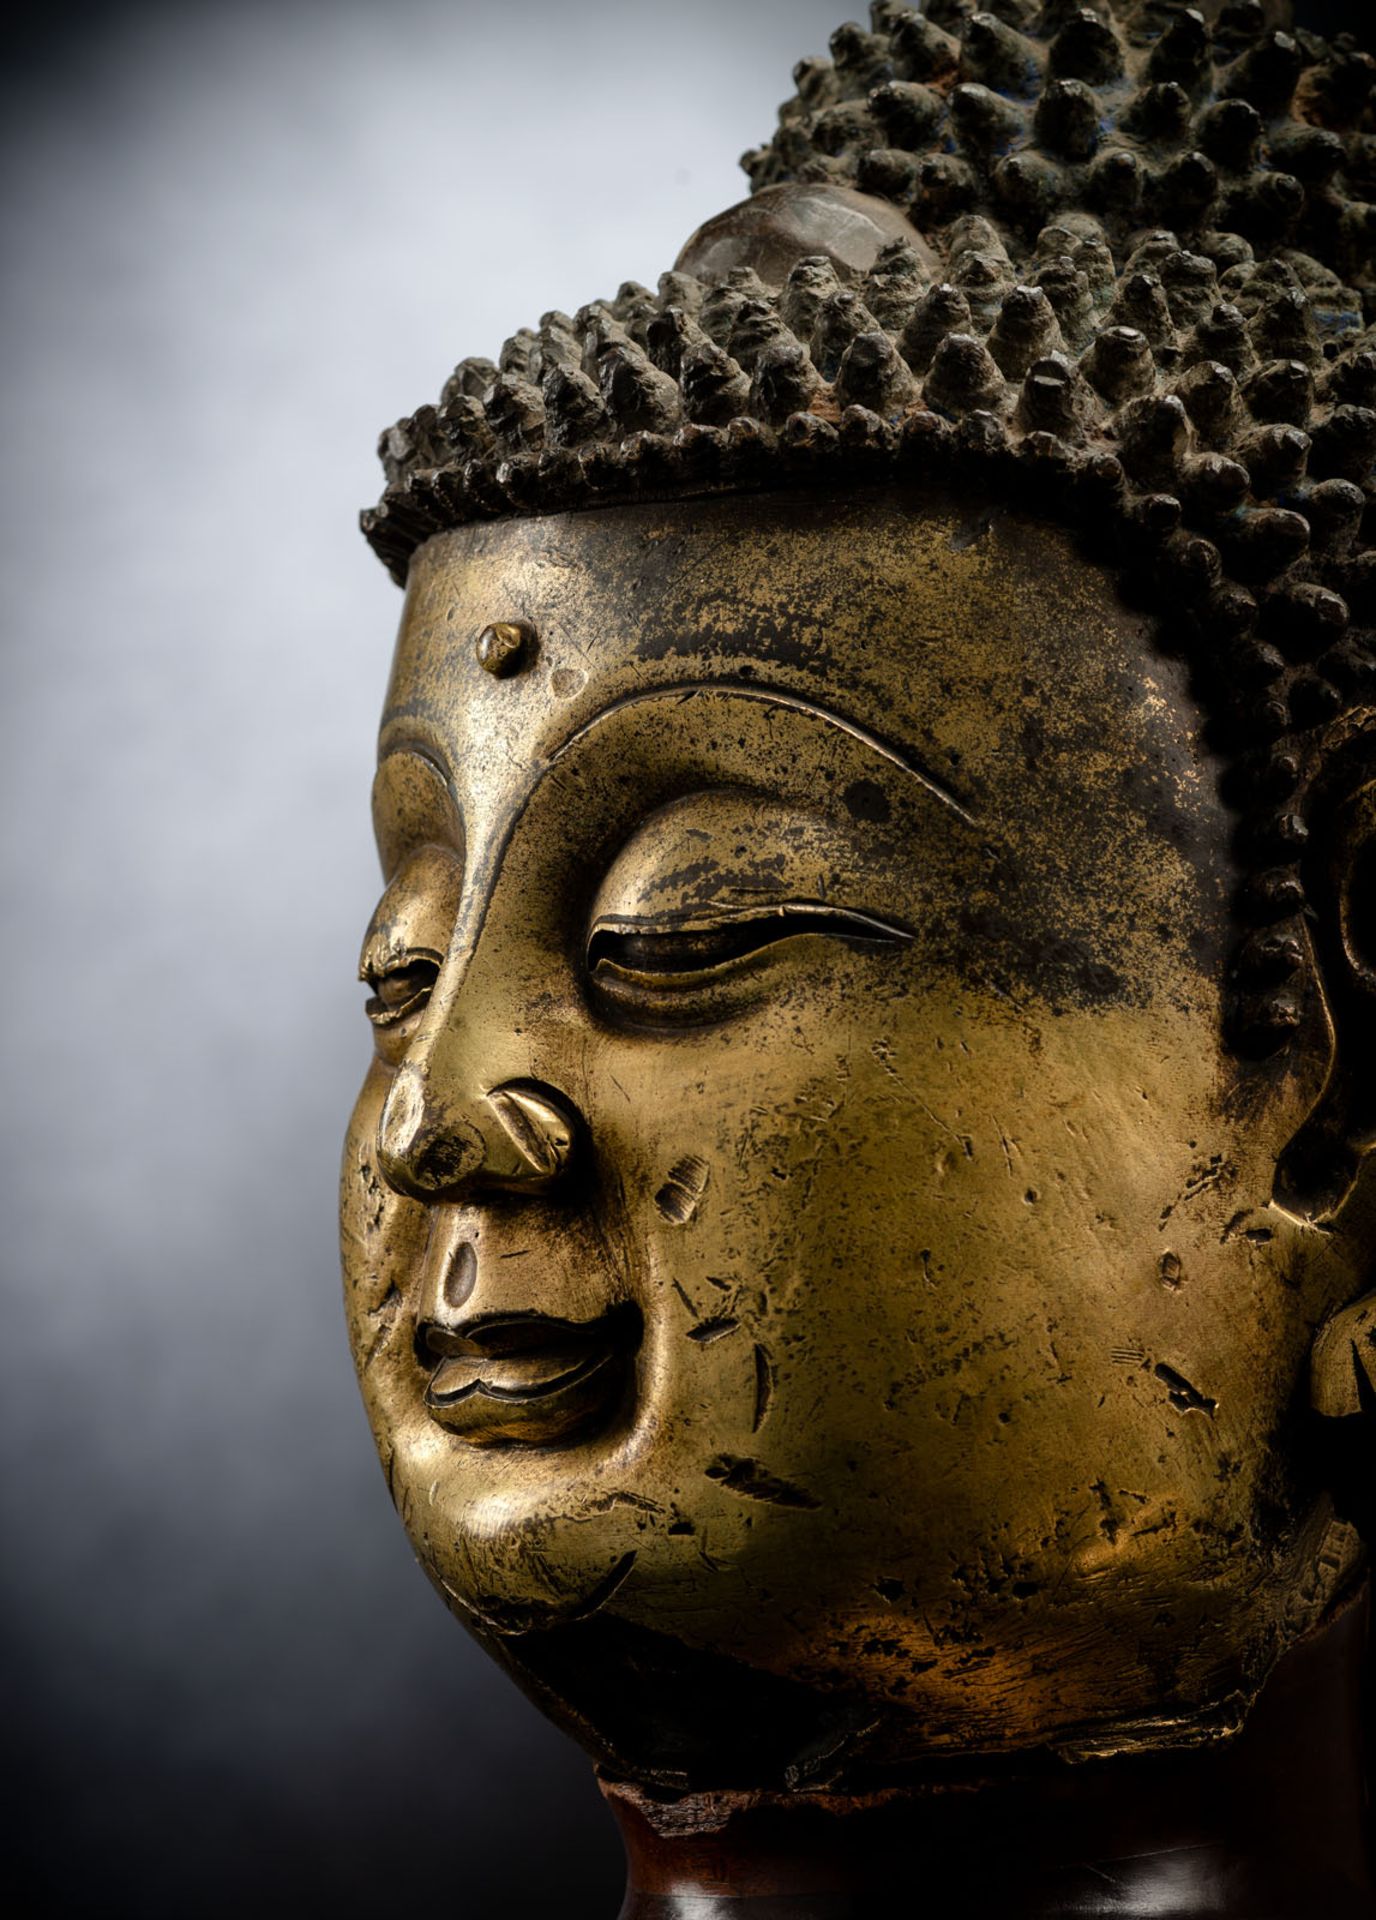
(1268, 1826)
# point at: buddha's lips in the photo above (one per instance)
(546, 1381)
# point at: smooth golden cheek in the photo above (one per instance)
(975, 1330)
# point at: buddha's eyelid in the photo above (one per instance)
(390, 957)
(846, 920)
(397, 746)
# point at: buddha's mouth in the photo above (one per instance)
(527, 1379)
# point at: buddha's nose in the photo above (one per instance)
(519, 1137)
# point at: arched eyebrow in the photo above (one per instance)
(791, 703)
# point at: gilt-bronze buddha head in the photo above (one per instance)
(856, 1228)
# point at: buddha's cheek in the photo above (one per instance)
(949, 1344)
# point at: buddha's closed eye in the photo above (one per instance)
(398, 991)
(406, 941)
(684, 961)
(702, 942)
(680, 956)
(713, 904)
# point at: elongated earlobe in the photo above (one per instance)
(1342, 1368)
(1324, 1163)
(1342, 1392)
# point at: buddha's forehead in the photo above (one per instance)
(979, 642)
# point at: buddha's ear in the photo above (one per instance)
(1328, 1167)
(1342, 1391)
(1329, 1155)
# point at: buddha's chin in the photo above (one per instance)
(517, 1539)
(491, 1608)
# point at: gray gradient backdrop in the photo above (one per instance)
(237, 240)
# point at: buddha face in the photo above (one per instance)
(813, 1268)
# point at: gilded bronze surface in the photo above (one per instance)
(858, 1231)
(802, 1210)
